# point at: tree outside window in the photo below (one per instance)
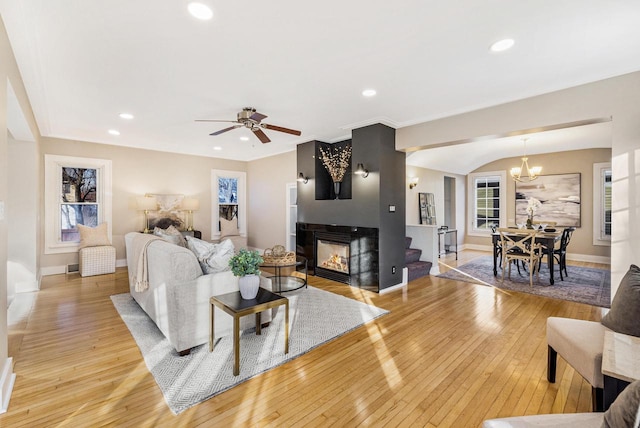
(78, 201)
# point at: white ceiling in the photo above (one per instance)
(590, 136)
(304, 64)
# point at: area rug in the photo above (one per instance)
(315, 317)
(583, 285)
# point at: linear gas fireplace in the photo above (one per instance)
(341, 253)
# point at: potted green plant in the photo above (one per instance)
(246, 266)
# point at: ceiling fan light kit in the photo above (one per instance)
(250, 118)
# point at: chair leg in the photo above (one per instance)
(597, 399)
(552, 358)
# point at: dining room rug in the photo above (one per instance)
(315, 317)
(582, 284)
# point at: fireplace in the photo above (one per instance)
(332, 255)
(346, 254)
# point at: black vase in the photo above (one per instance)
(336, 188)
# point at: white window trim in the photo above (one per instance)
(242, 201)
(53, 165)
(598, 199)
(471, 178)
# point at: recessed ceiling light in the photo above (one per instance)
(369, 92)
(114, 132)
(127, 116)
(200, 11)
(502, 45)
(244, 138)
(217, 148)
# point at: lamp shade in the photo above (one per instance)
(190, 204)
(146, 203)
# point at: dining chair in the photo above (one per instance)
(520, 245)
(494, 229)
(560, 253)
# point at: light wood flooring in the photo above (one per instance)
(450, 354)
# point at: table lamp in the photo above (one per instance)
(146, 204)
(190, 205)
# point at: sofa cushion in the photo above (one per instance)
(171, 234)
(213, 258)
(625, 308)
(625, 410)
(93, 236)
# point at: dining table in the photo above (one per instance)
(546, 238)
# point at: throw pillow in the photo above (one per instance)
(93, 236)
(213, 258)
(171, 234)
(625, 308)
(229, 227)
(625, 410)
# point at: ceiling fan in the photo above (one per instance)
(250, 118)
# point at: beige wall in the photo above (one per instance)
(558, 163)
(136, 172)
(267, 180)
(615, 98)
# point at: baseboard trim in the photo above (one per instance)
(121, 263)
(7, 380)
(405, 275)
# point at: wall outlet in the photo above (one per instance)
(393, 270)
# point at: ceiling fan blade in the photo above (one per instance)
(281, 129)
(261, 135)
(225, 130)
(257, 116)
(214, 120)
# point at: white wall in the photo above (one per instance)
(22, 209)
(431, 181)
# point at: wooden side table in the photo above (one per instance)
(236, 306)
(620, 363)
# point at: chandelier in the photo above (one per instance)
(524, 173)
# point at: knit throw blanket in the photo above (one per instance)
(140, 269)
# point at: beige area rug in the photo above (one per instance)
(315, 317)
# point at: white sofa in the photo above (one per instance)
(177, 299)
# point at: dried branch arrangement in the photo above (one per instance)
(336, 161)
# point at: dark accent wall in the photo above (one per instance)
(373, 146)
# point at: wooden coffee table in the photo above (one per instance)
(236, 306)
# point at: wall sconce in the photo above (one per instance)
(190, 205)
(302, 178)
(360, 170)
(413, 182)
(146, 204)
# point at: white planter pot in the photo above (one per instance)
(249, 285)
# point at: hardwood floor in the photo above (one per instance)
(450, 354)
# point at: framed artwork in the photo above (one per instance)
(168, 213)
(559, 195)
(427, 206)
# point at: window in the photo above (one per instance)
(487, 201)
(78, 191)
(602, 179)
(229, 192)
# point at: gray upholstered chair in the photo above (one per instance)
(580, 343)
